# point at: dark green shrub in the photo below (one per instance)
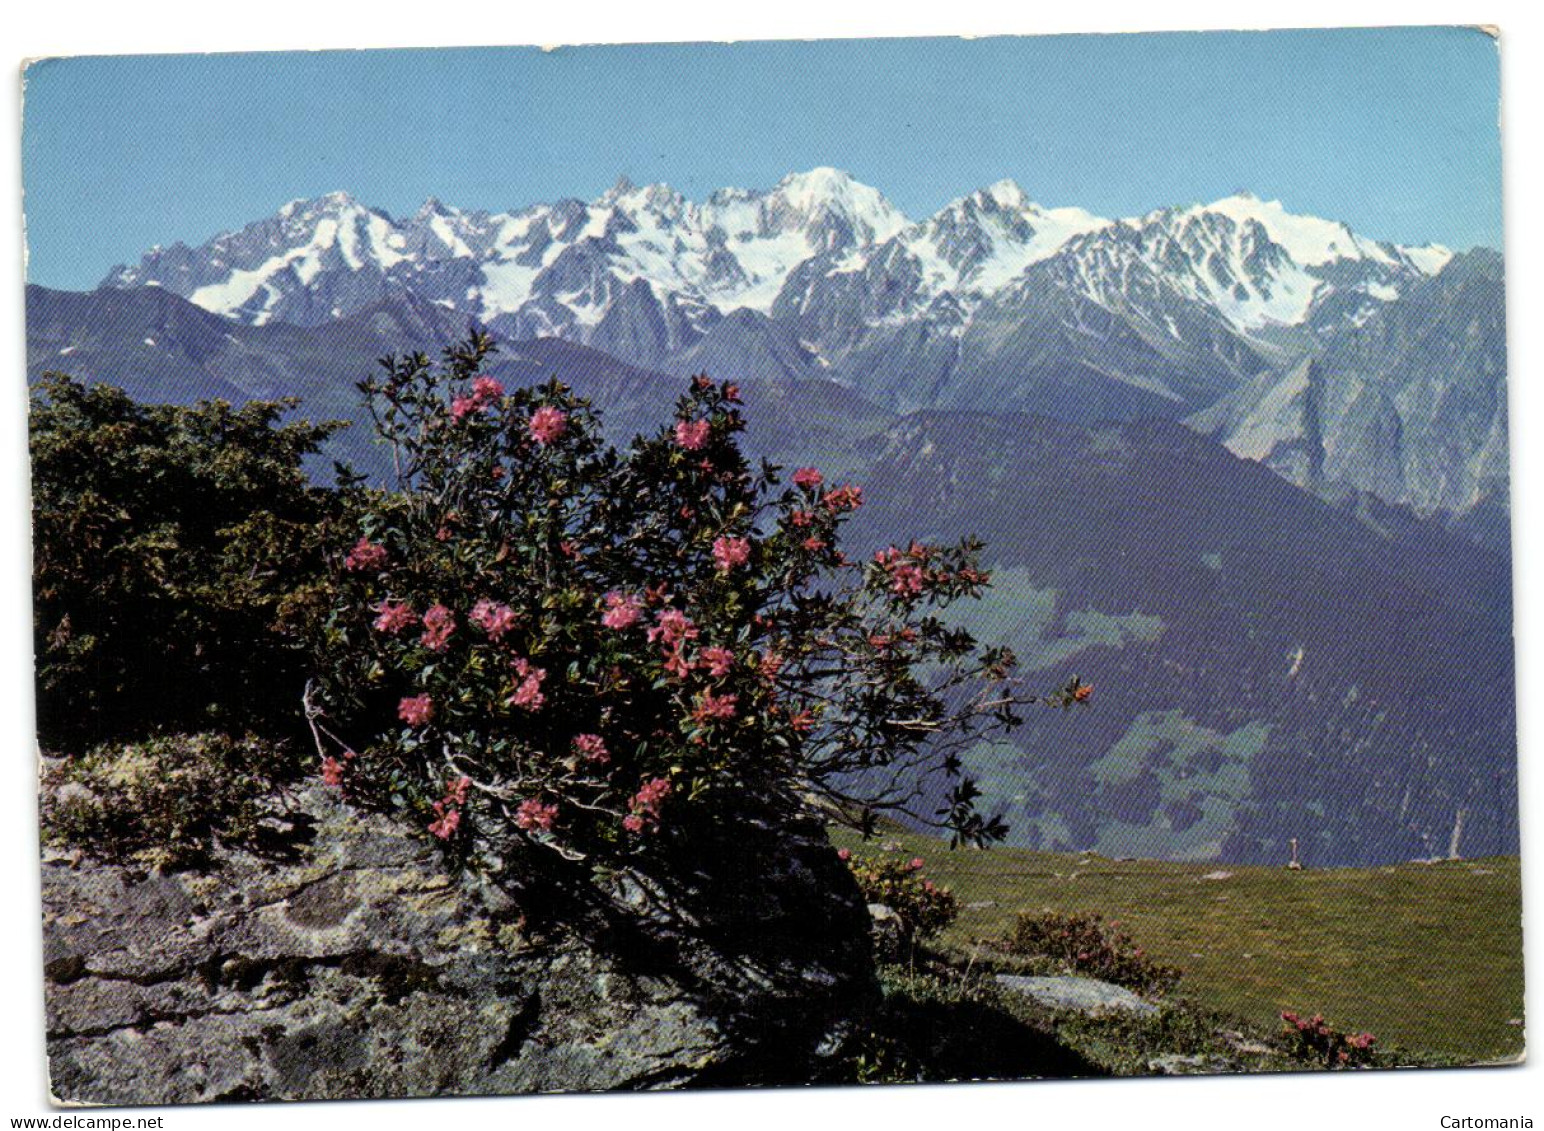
(164, 800)
(1085, 944)
(177, 555)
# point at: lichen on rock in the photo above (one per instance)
(354, 964)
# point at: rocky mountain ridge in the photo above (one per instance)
(820, 272)
(1206, 312)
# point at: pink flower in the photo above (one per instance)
(622, 610)
(672, 627)
(676, 663)
(449, 822)
(844, 499)
(916, 864)
(729, 552)
(719, 661)
(416, 710)
(802, 723)
(650, 795)
(769, 664)
(844, 854)
(439, 623)
(814, 545)
(394, 616)
(710, 707)
(691, 434)
(365, 555)
(527, 693)
(448, 808)
(906, 579)
(533, 816)
(906, 576)
(592, 748)
(644, 805)
(547, 424)
(808, 478)
(332, 771)
(487, 389)
(493, 617)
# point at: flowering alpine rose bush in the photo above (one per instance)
(1085, 943)
(922, 908)
(1315, 1040)
(539, 636)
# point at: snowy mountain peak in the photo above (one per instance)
(1312, 242)
(1429, 258)
(658, 198)
(1007, 193)
(434, 206)
(818, 184)
(328, 204)
(1257, 263)
(827, 191)
(623, 188)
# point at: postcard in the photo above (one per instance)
(727, 565)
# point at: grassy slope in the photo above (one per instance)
(1425, 956)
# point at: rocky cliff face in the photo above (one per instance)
(1408, 405)
(347, 961)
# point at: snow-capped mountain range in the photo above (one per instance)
(994, 303)
(559, 269)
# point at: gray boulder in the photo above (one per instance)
(1082, 995)
(1177, 1064)
(355, 963)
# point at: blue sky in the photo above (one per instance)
(1393, 131)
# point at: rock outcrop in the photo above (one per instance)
(1076, 993)
(351, 962)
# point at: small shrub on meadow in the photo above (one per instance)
(543, 640)
(1085, 944)
(1314, 1040)
(163, 801)
(922, 908)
